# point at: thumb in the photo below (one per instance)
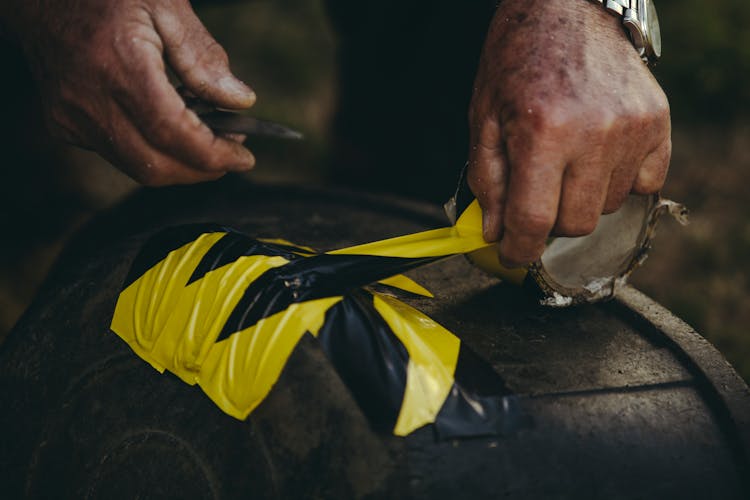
(197, 58)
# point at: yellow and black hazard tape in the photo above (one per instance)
(225, 311)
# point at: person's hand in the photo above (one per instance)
(566, 121)
(101, 70)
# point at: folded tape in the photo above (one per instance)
(222, 310)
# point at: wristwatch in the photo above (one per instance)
(642, 23)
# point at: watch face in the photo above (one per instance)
(652, 28)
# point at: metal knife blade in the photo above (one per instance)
(228, 121)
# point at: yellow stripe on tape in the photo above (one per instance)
(404, 283)
(171, 325)
(287, 243)
(433, 354)
(240, 371)
(464, 237)
(174, 325)
(145, 306)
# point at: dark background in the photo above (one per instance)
(386, 108)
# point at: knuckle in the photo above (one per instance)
(648, 183)
(212, 58)
(617, 194)
(214, 157)
(164, 128)
(576, 226)
(550, 118)
(213, 161)
(601, 123)
(655, 121)
(213, 55)
(662, 103)
(160, 130)
(652, 119)
(662, 113)
(653, 173)
(532, 223)
(614, 203)
(545, 122)
(658, 164)
(639, 122)
(665, 151)
(131, 41)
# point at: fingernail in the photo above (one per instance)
(239, 90)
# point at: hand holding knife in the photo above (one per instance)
(232, 122)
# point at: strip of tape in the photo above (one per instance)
(225, 311)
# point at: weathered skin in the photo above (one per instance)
(566, 121)
(101, 70)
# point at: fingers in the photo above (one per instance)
(198, 60)
(568, 144)
(531, 207)
(620, 185)
(487, 177)
(582, 198)
(653, 171)
(107, 88)
(131, 152)
(155, 108)
(527, 192)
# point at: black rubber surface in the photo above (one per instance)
(622, 399)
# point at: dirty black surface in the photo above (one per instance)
(620, 405)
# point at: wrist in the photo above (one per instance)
(591, 15)
(600, 22)
(641, 22)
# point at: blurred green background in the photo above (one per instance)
(288, 52)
